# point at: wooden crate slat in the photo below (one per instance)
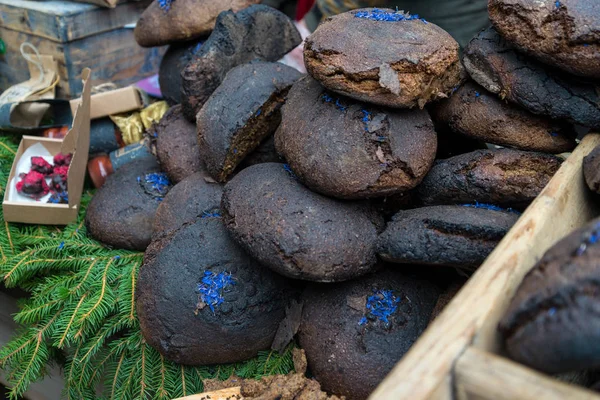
(65, 21)
(480, 375)
(560, 208)
(113, 56)
(224, 394)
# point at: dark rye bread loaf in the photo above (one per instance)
(296, 232)
(182, 20)
(383, 57)
(202, 300)
(504, 177)
(190, 199)
(243, 111)
(497, 66)
(553, 322)
(256, 33)
(177, 145)
(354, 333)
(478, 114)
(350, 150)
(455, 236)
(171, 65)
(565, 33)
(121, 213)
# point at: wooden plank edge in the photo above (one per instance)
(424, 370)
(233, 393)
(484, 376)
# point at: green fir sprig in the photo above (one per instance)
(81, 313)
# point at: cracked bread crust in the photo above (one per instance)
(360, 58)
(351, 359)
(351, 150)
(243, 111)
(171, 316)
(564, 34)
(497, 66)
(553, 322)
(476, 113)
(258, 32)
(296, 232)
(504, 177)
(454, 236)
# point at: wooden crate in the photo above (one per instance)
(460, 355)
(78, 36)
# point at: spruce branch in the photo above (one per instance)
(82, 304)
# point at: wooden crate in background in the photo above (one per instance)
(78, 36)
(459, 357)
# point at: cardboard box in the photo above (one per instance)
(77, 142)
(113, 102)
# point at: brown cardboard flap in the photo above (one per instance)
(112, 102)
(77, 142)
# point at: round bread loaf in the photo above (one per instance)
(504, 177)
(497, 66)
(553, 322)
(351, 150)
(257, 33)
(190, 199)
(354, 333)
(181, 20)
(476, 113)
(177, 146)
(121, 213)
(565, 33)
(171, 65)
(296, 232)
(455, 236)
(243, 111)
(383, 57)
(201, 300)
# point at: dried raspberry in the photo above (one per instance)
(63, 159)
(61, 170)
(40, 165)
(33, 185)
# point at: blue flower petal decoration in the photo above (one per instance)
(380, 307)
(388, 16)
(212, 287)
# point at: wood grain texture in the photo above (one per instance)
(113, 56)
(483, 376)
(64, 21)
(225, 394)
(51, 386)
(564, 205)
